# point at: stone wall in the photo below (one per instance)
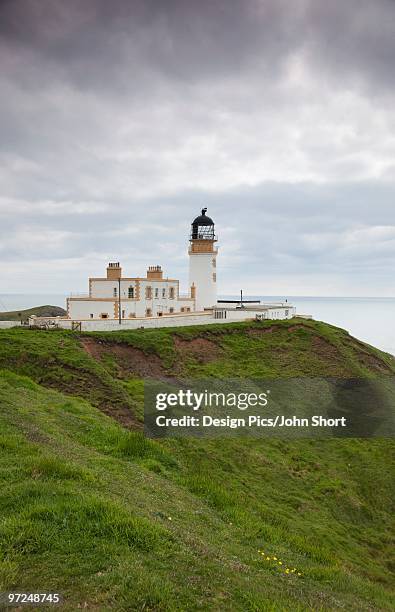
(176, 320)
(113, 324)
(8, 324)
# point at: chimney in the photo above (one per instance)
(114, 271)
(154, 273)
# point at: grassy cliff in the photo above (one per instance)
(38, 311)
(91, 509)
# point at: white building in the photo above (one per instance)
(115, 296)
(155, 301)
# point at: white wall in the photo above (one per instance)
(178, 320)
(202, 268)
(243, 314)
(8, 324)
(105, 288)
(150, 322)
(160, 303)
(83, 309)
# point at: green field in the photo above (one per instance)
(113, 521)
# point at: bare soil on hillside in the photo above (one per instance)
(201, 349)
(128, 360)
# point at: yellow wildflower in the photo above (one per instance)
(284, 568)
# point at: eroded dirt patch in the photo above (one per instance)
(113, 402)
(128, 360)
(297, 326)
(260, 331)
(370, 360)
(201, 349)
(122, 415)
(323, 348)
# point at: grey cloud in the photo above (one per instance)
(355, 39)
(294, 229)
(120, 119)
(124, 44)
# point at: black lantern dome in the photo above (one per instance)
(203, 227)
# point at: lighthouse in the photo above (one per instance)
(203, 262)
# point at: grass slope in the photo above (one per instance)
(39, 311)
(114, 521)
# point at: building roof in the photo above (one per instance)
(203, 219)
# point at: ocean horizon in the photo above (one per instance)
(370, 319)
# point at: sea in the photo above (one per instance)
(369, 319)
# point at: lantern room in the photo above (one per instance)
(203, 227)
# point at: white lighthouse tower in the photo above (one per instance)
(203, 262)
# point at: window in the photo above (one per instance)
(115, 292)
(171, 309)
(286, 313)
(163, 293)
(132, 315)
(123, 314)
(91, 315)
(214, 262)
(131, 292)
(148, 293)
(160, 314)
(104, 315)
(156, 293)
(214, 277)
(171, 293)
(148, 312)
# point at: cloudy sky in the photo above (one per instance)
(121, 119)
